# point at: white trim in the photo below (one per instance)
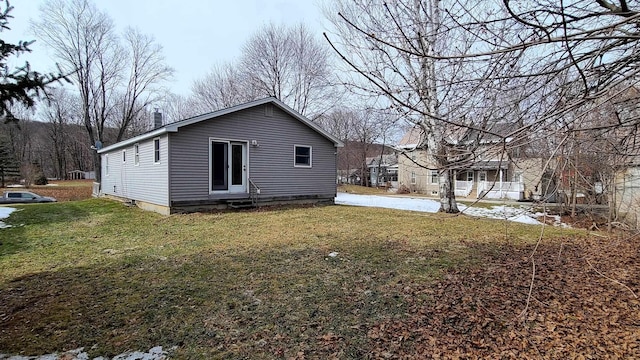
(106, 164)
(295, 164)
(158, 151)
(136, 154)
(228, 142)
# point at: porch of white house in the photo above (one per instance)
(477, 185)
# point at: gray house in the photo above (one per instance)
(258, 153)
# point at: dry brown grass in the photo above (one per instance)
(62, 190)
(262, 285)
(357, 189)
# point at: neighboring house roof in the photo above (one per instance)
(494, 133)
(174, 127)
(411, 138)
(490, 165)
(387, 160)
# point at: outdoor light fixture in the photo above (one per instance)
(254, 143)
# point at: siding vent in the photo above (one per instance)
(268, 110)
(157, 119)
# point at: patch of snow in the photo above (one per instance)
(557, 220)
(400, 203)
(511, 213)
(15, 186)
(515, 214)
(4, 213)
(155, 353)
(333, 254)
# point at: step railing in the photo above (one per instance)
(254, 193)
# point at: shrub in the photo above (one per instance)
(41, 180)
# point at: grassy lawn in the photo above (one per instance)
(252, 284)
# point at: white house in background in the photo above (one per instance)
(258, 153)
(383, 170)
(489, 175)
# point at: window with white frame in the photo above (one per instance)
(413, 177)
(136, 154)
(434, 177)
(302, 156)
(156, 150)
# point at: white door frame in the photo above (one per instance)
(237, 168)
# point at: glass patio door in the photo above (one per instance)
(229, 166)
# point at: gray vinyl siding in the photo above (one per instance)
(147, 181)
(271, 164)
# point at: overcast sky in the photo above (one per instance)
(195, 34)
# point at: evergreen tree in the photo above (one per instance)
(9, 167)
(19, 85)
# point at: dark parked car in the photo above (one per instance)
(24, 197)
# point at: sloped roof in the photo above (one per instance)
(494, 132)
(411, 139)
(174, 127)
(387, 160)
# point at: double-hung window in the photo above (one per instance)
(136, 154)
(434, 176)
(156, 150)
(302, 156)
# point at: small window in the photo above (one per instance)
(124, 156)
(156, 150)
(413, 177)
(302, 156)
(136, 154)
(434, 176)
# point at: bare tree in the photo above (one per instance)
(61, 111)
(291, 65)
(83, 39)
(176, 107)
(224, 86)
(147, 70)
(115, 81)
(412, 53)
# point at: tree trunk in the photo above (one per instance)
(97, 166)
(448, 202)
